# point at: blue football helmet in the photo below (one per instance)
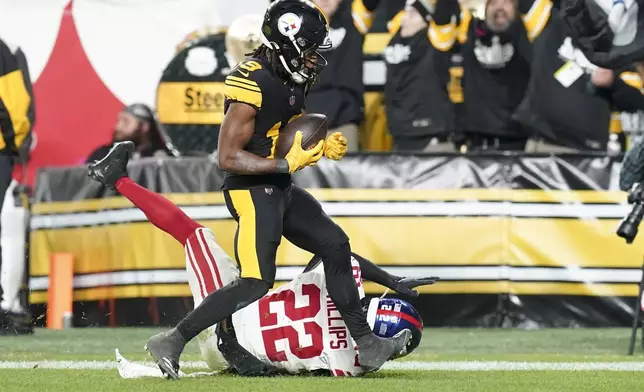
(388, 316)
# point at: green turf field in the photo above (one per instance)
(448, 360)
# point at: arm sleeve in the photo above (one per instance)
(372, 272)
(244, 84)
(535, 15)
(24, 149)
(362, 12)
(449, 23)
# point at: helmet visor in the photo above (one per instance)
(313, 63)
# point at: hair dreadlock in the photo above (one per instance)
(263, 52)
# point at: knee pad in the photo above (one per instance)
(255, 289)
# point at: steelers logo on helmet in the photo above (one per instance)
(289, 24)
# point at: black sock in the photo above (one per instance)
(221, 304)
(343, 291)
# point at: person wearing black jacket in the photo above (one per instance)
(242, 363)
(497, 54)
(419, 100)
(16, 120)
(569, 102)
(339, 92)
(138, 124)
(611, 35)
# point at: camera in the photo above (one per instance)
(628, 226)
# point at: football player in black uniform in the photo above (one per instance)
(263, 94)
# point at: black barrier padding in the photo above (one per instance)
(591, 172)
(440, 310)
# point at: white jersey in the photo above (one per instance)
(295, 327)
(298, 328)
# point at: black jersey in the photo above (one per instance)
(277, 103)
(339, 92)
(420, 92)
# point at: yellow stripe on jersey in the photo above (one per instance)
(242, 80)
(273, 134)
(461, 30)
(244, 94)
(537, 18)
(246, 239)
(443, 37)
(394, 24)
(615, 125)
(16, 100)
(632, 79)
(242, 85)
(455, 85)
(362, 17)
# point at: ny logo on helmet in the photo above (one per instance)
(289, 24)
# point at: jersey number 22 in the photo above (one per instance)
(311, 327)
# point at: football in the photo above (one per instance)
(313, 128)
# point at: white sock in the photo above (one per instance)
(12, 241)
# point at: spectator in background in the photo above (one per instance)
(497, 54)
(339, 92)
(16, 120)
(629, 127)
(569, 101)
(137, 123)
(418, 96)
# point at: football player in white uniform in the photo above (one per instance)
(292, 329)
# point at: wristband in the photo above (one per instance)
(282, 166)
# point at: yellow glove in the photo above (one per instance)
(336, 146)
(298, 158)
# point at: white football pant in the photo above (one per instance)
(13, 223)
(209, 268)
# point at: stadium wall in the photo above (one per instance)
(518, 240)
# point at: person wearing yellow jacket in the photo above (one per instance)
(16, 119)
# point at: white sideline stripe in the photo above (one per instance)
(120, 278)
(396, 208)
(287, 273)
(456, 366)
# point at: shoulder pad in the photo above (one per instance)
(244, 84)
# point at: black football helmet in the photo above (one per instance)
(295, 30)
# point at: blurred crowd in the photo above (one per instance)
(495, 75)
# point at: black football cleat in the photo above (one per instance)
(374, 351)
(166, 348)
(114, 166)
(15, 323)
